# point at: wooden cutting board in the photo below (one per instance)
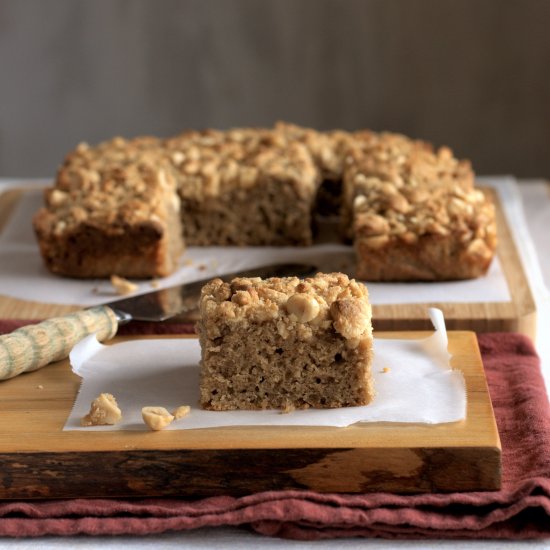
(517, 315)
(39, 460)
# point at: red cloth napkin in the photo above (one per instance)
(520, 510)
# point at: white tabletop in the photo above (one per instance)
(528, 208)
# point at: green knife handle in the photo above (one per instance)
(32, 347)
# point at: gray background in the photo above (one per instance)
(471, 74)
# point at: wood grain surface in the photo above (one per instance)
(39, 460)
(517, 315)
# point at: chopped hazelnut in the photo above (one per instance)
(377, 242)
(123, 286)
(478, 249)
(57, 197)
(157, 418)
(181, 411)
(305, 308)
(103, 411)
(351, 318)
(372, 224)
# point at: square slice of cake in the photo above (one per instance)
(113, 211)
(285, 343)
(244, 188)
(414, 213)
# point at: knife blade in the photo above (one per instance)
(35, 346)
(167, 303)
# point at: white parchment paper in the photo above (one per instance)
(413, 378)
(24, 276)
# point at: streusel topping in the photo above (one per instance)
(213, 161)
(397, 188)
(120, 182)
(324, 300)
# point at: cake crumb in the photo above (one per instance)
(181, 411)
(385, 369)
(201, 267)
(104, 411)
(156, 418)
(154, 283)
(123, 286)
(287, 408)
(40, 387)
(187, 262)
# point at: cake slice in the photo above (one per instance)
(244, 187)
(414, 213)
(284, 343)
(113, 211)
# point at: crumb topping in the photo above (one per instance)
(212, 161)
(399, 189)
(118, 183)
(326, 300)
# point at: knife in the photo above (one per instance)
(32, 347)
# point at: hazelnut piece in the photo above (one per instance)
(303, 307)
(104, 411)
(157, 418)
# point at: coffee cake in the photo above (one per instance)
(283, 343)
(127, 207)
